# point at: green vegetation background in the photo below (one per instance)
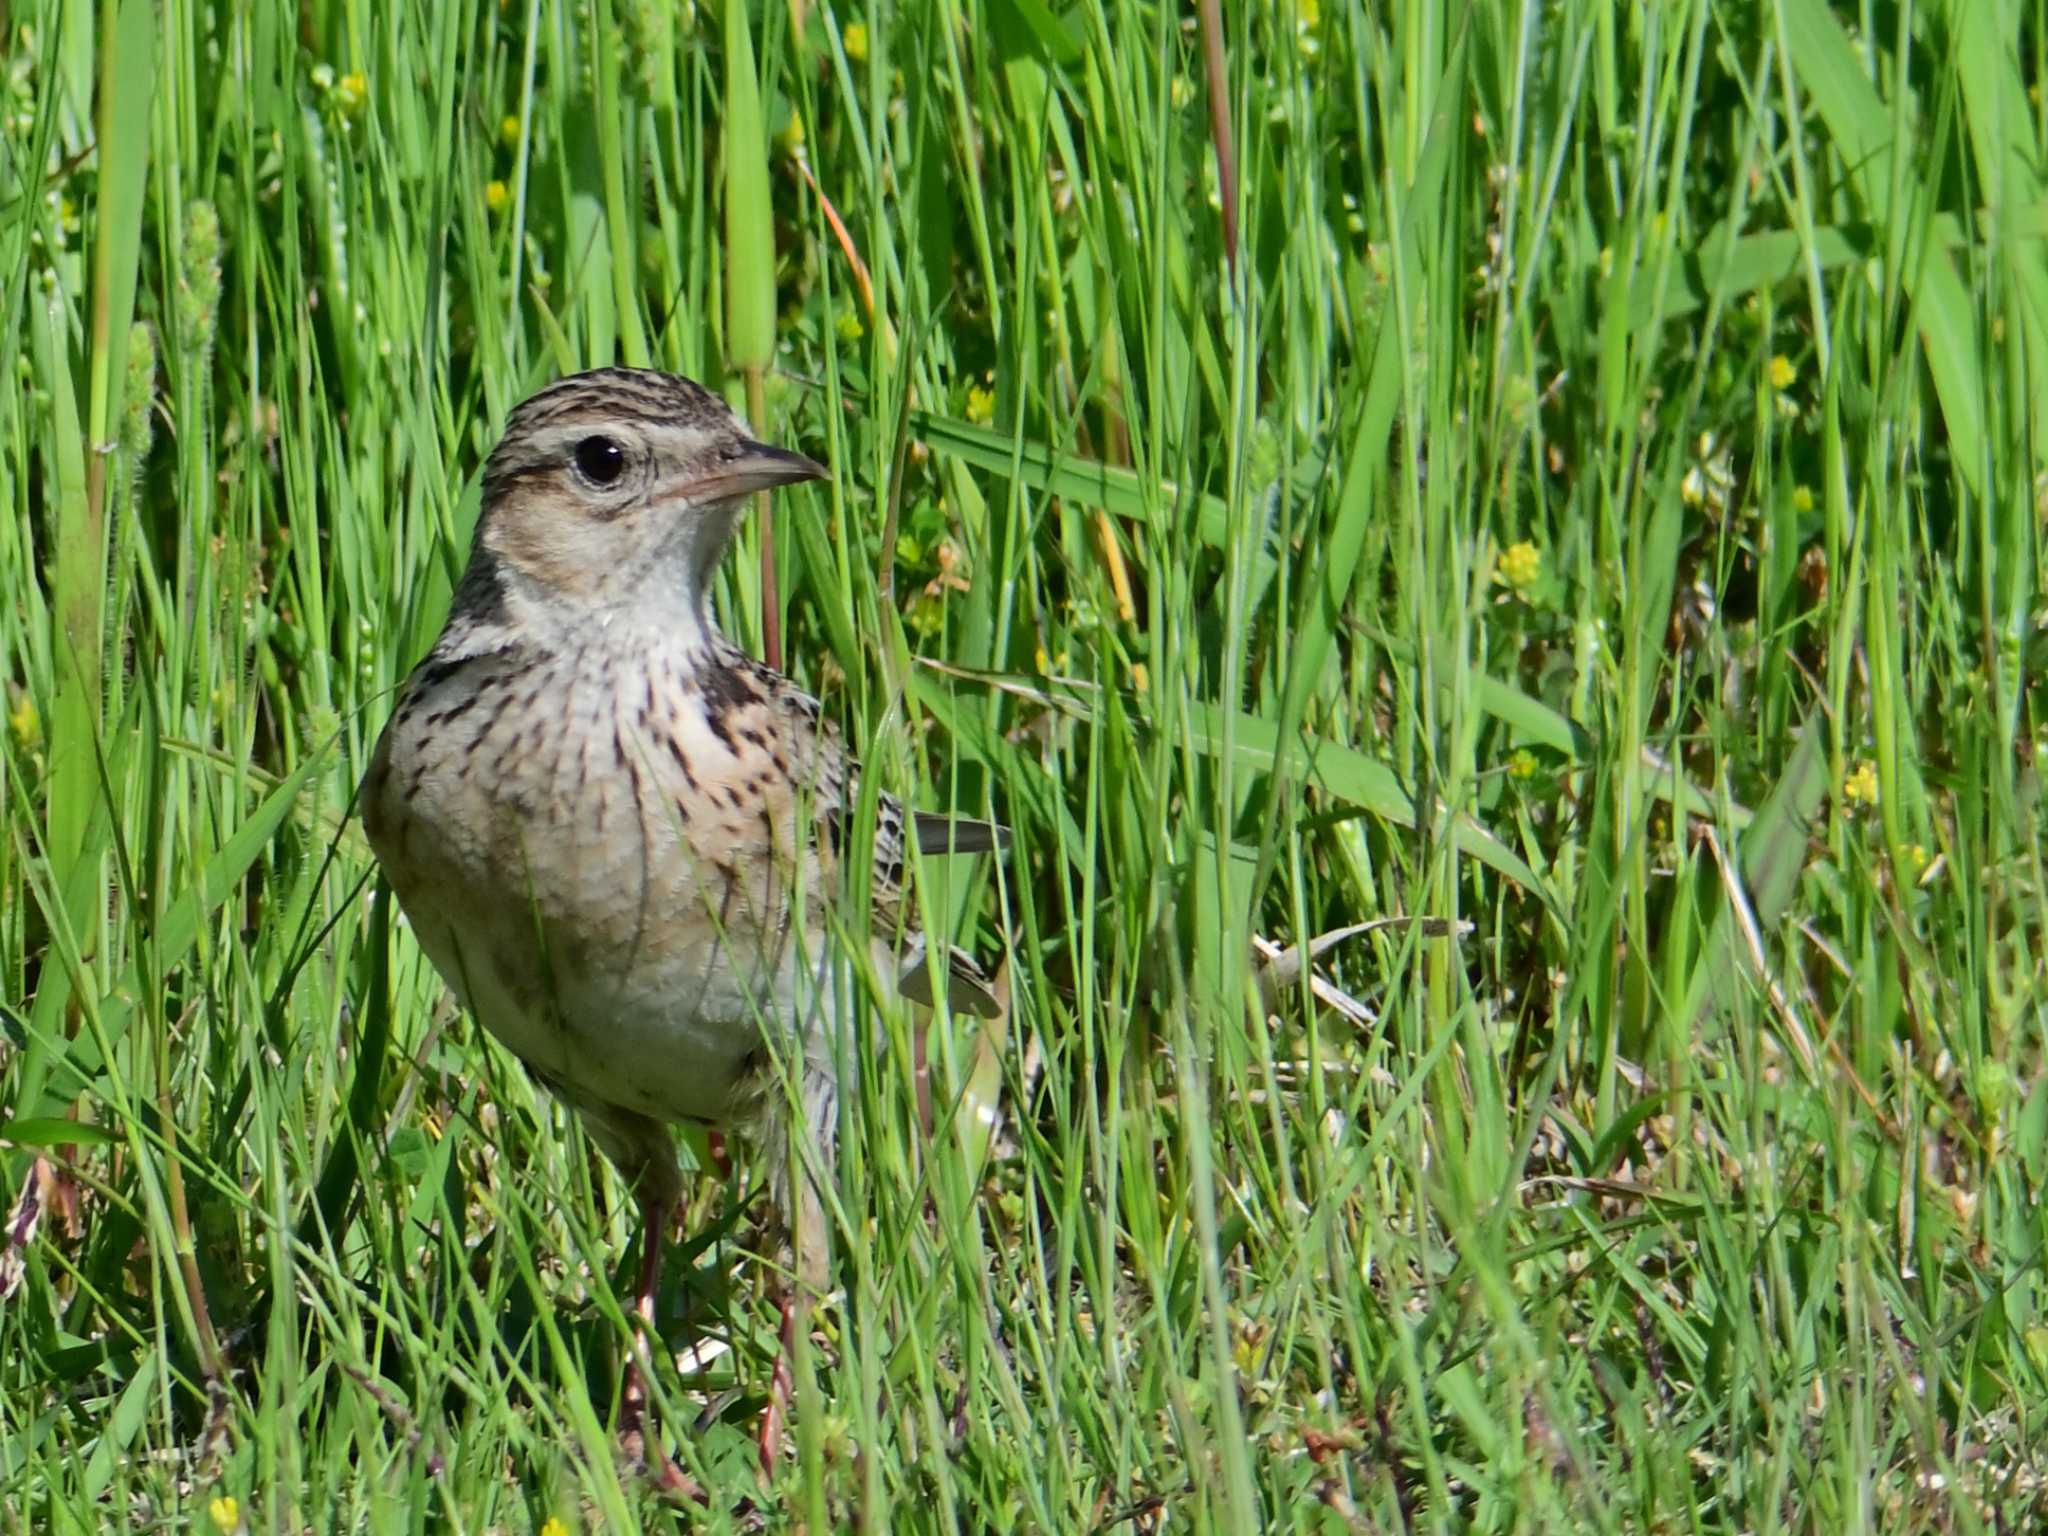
(1579, 485)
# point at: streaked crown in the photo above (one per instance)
(608, 478)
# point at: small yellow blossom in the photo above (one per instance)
(1915, 859)
(1860, 788)
(1048, 663)
(1141, 680)
(1308, 15)
(24, 722)
(1522, 764)
(1247, 1355)
(855, 41)
(1781, 372)
(554, 1526)
(1520, 565)
(508, 131)
(225, 1513)
(981, 405)
(1802, 499)
(351, 91)
(925, 616)
(496, 196)
(848, 326)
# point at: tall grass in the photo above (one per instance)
(1585, 528)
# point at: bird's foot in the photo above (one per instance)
(641, 1447)
(670, 1479)
(667, 1477)
(781, 1387)
(643, 1450)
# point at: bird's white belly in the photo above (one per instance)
(689, 1036)
(614, 900)
(672, 1027)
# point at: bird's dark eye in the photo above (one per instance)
(600, 460)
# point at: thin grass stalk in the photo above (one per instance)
(750, 277)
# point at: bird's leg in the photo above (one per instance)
(802, 1199)
(634, 1416)
(633, 1399)
(800, 1293)
(781, 1387)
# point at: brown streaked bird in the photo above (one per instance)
(606, 824)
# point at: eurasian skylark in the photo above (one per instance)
(615, 834)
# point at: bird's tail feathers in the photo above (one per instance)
(968, 987)
(940, 834)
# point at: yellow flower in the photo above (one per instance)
(1860, 788)
(508, 131)
(1522, 764)
(496, 196)
(925, 616)
(554, 1526)
(1781, 372)
(26, 724)
(1915, 857)
(225, 1513)
(1802, 499)
(855, 41)
(848, 326)
(351, 91)
(1308, 15)
(981, 405)
(1520, 564)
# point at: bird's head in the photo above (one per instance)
(619, 488)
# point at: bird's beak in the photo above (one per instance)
(759, 467)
